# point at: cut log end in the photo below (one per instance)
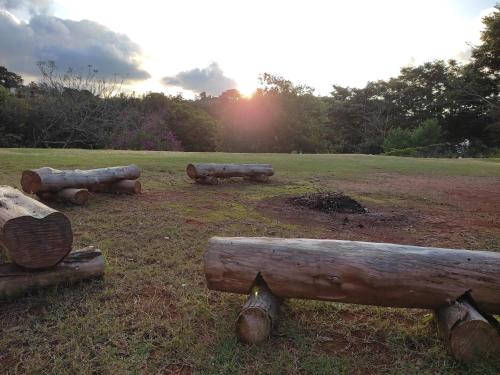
(253, 326)
(474, 340)
(76, 196)
(469, 334)
(191, 171)
(31, 182)
(69, 195)
(126, 187)
(38, 243)
(258, 316)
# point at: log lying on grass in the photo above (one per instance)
(355, 272)
(34, 235)
(79, 265)
(469, 335)
(208, 173)
(49, 179)
(70, 195)
(119, 187)
(258, 315)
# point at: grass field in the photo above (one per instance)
(152, 313)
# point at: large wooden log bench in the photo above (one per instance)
(209, 173)
(87, 263)
(461, 286)
(34, 235)
(73, 186)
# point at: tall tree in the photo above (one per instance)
(9, 79)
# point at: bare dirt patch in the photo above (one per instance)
(382, 225)
(457, 212)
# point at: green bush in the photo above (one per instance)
(4, 93)
(427, 133)
(430, 151)
(409, 151)
(398, 138)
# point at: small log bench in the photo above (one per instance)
(209, 173)
(73, 186)
(87, 263)
(461, 286)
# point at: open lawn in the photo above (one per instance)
(152, 313)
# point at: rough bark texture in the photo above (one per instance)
(126, 187)
(202, 170)
(119, 187)
(49, 179)
(69, 195)
(79, 265)
(355, 272)
(469, 335)
(208, 180)
(34, 235)
(258, 315)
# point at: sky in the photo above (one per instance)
(189, 46)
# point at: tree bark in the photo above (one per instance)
(258, 316)
(79, 265)
(49, 179)
(68, 195)
(34, 235)
(119, 187)
(469, 335)
(203, 170)
(208, 180)
(354, 272)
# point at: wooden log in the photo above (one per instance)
(79, 265)
(258, 315)
(202, 170)
(68, 195)
(259, 178)
(354, 272)
(208, 180)
(119, 187)
(49, 179)
(469, 335)
(34, 235)
(126, 187)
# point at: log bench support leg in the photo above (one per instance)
(207, 180)
(468, 334)
(68, 195)
(258, 178)
(258, 315)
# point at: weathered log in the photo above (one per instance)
(208, 180)
(258, 315)
(354, 272)
(34, 235)
(78, 265)
(126, 187)
(69, 195)
(49, 179)
(469, 335)
(119, 187)
(258, 178)
(258, 172)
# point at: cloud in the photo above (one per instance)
(70, 44)
(210, 79)
(33, 6)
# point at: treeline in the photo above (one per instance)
(433, 103)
